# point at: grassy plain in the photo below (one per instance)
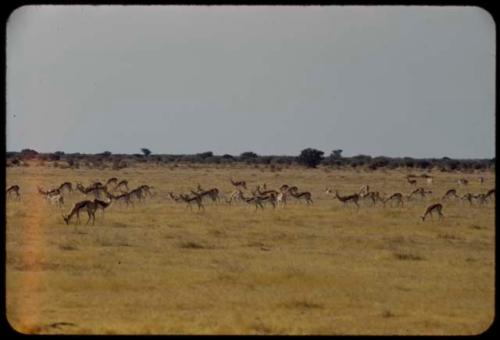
(159, 268)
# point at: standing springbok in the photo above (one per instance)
(354, 198)
(102, 205)
(305, 195)
(191, 200)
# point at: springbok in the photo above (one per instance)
(450, 193)
(306, 195)
(13, 189)
(354, 198)
(239, 184)
(86, 205)
(396, 197)
(437, 207)
(191, 200)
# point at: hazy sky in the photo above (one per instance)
(375, 80)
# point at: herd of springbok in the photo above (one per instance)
(119, 192)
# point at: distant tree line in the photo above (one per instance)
(309, 157)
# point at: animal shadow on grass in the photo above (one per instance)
(408, 256)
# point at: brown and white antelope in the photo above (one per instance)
(122, 184)
(373, 197)
(354, 198)
(239, 184)
(146, 189)
(13, 189)
(449, 194)
(122, 198)
(490, 193)
(89, 206)
(428, 178)
(196, 199)
(213, 193)
(305, 195)
(175, 198)
(102, 205)
(437, 207)
(411, 181)
(52, 192)
(420, 192)
(364, 190)
(66, 186)
(395, 197)
(57, 200)
(112, 181)
(462, 182)
(96, 190)
(480, 199)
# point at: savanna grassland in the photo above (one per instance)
(161, 268)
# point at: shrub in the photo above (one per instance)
(310, 157)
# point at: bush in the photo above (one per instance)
(248, 155)
(310, 157)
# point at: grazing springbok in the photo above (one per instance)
(13, 189)
(146, 189)
(462, 182)
(96, 190)
(89, 206)
(112, 181)
(137, 193)
(122, 183)
(66, 186)
(480, 199)
(449, 194)
(437, 207)
(122, 198)
(396, 197)
(490, 193)
(420, 192)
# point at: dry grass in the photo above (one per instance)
(158, 268)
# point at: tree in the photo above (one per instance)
(146, 152)
(248, 155)
(336, 154)
(28, 154)
(204, 155)
(310, 157)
